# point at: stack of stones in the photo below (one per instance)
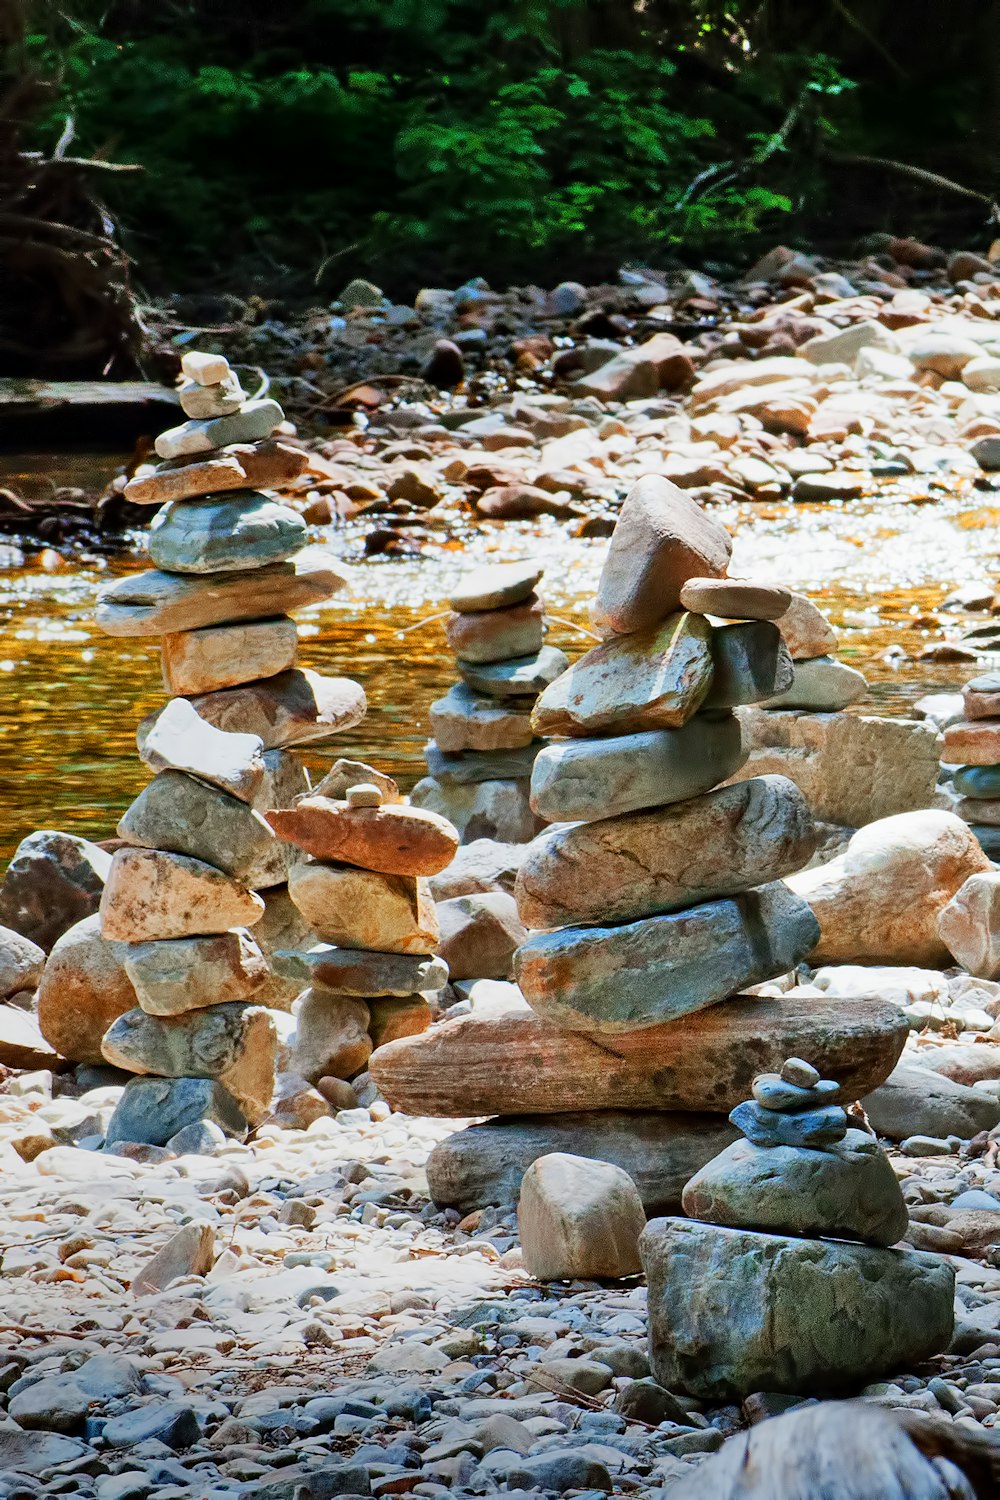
(360, 882)
(658, 901)
(820, 683)
(484, 745)
(781, 1278)
(971, 756)
(183, 894)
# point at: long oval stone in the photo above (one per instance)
(223, 656)
(363, 971)
(613, 979)
(151, 894)
(224, 534)
(495, 586)
(256, 466)
(255, 419)
(647, 863)
(517, 1063)
(178, 975)
(587, 779)
(393, 838)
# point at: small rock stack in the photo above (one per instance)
(971, 756)
(781, 1279)
(820, 683)
(484, 746)
(182, 895)
(363, 890)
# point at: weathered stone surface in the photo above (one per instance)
(186, 816)
(39, 1453)
(22, 1044)
(462, 720)
(879, 901)
(498, 634)
(981, 696)
(497, 810)
(151, 1110)
(735, 598)
(204, 368)
(236, 1044)
(331, 1035)
(172, 977)
(808, 1127)
(394, 839)
(298, 707)
(484, 1164)
(222, 656)
(483, 865)
(620, 979)
(846, 1191)
(345, 774)
(823, 685)
(646, 863)
(157, 603)
(775, 1313)
(178, 738)
(476, 766)
(218, 399)
(495, 586)
(153, 894)
(281, 928)
(255, 419)
(83, 990)
(852, 768)
(916, 1101)
(189, 1252)
(21, 963)
(524, 676)
(806, 630)
(224, 534)
(479, 934)
(389, 1019)
(750, 663)
(969, 926)
(588, 779)
(53, 881)
(363, 909)
(518, 1064)
(653, 679)
(972, 742)
(255, 466)
(662, 538)
(579, 1217)
(364, 972)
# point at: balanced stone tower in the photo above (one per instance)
(655, 905)
(781, 1278)
(971, 754)
(183, 894)
(484, 746)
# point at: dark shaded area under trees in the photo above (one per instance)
(286, 149)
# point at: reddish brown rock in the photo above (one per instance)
(394, 839)
(251, 466)
(498, 634)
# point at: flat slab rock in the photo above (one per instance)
(517, 1064)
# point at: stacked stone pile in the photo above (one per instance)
(781, 1278)
(660, 902)
(971, 755)
(181, 896)
(484, 746)
(359, 880)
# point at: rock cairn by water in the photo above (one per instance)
(484, 745)
(781, 1278)
(182, 895)
(360, 884)
(971, 756)
(656, 903)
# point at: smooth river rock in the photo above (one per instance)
(151, 1110)
(255, 466)
(463, 720)
(21, 963)
(518, 1064)
(53, 881)
(176, 975)
(582, 780)
(394, 839)
(846, 1191)
(85, 987)
(579, 1217)
(495, 586)
(732, 1311)
(299, 707)
(153, 894)
(523, 676)
(475, 767)
(331, 1035)
(224, 535)
(222, 656)
(364, 972)
(735, 598)
(498, 634)
(750, 663)
(969, 926)
(619, 979)
(255, 419)
(356, 908)
(806, 630)
(822, 685)
(646, 863)
(916, 1101)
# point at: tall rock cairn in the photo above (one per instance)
(183, 895)
(484, 745)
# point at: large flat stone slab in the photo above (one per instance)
(620, 869)
(732, 1311)
(254, 466)
(517, 1064)
(618, 979)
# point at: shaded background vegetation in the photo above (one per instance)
(293, 146)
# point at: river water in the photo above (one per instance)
(70, 697)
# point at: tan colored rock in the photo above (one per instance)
(879, 901)
(282, 928)
(21, 963)
(479, 934)
(516, 1064)
(807, 632)
(652, 679)
(662, 538)
(152, 894)
(347, 773)
(462, 720)
(496, 586)
(176, 975)
(84, 989)
(189, 1252)
(972, 742)
(331, 1036)
(222, 656)
(298, 707)
(735, 598)
(22, 1044)
(235, 1044)
(391, 1018)
(579, 1218)
(618, 869)
(251, 466)
(498, 634)
(981, 696)
(393, 839)
(969, 926)
(363, 909)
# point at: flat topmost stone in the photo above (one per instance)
(495, 586)
(394, 839)
(736, 598)
(662, 539)
(205, 369)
